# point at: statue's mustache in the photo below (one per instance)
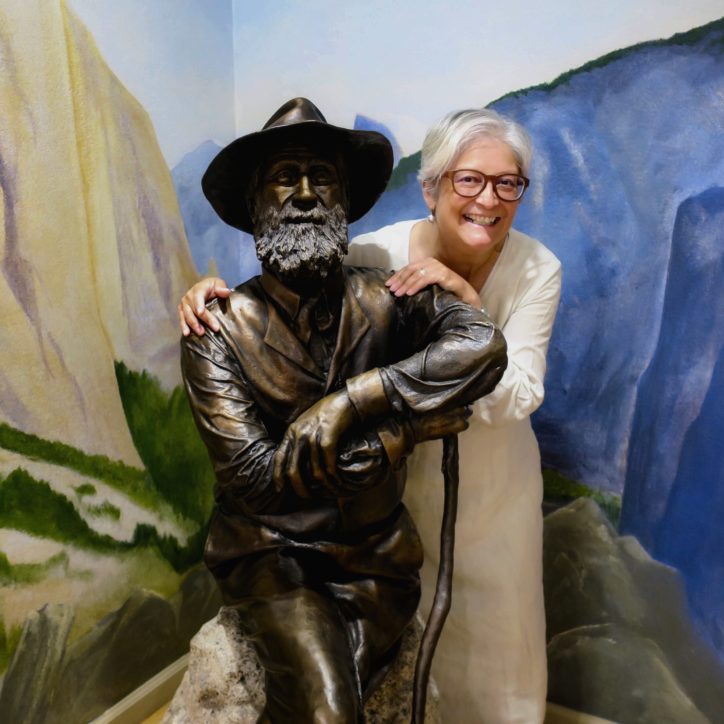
(293, 215)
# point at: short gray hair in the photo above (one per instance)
(457, 131)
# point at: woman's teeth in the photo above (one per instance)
(481, 220)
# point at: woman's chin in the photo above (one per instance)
(482, 238)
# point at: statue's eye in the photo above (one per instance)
(286, 177)
(322, 177)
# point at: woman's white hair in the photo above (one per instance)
(457, 131)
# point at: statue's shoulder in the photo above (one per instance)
(368, 287)
(243, 315)
(245, 310)
(366, 276)
(245, 299)
(250, 289)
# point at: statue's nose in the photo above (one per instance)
(304, 196)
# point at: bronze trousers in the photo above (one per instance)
(326, 616)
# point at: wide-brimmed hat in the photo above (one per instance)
(367, 159)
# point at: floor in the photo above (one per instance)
(554, 715)
(156, 717)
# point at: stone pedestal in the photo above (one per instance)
(224, 683)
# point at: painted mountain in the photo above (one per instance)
(217, 248)
(91, 266)
(102, 499)
(628, 190)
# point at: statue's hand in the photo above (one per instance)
(309, 446)
(435, 425)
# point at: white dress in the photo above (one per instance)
(490, 662)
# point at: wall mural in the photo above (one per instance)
(105, 489)
(104, 486)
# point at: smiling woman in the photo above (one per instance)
(490, 663)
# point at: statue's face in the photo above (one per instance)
(299, 177)
(300, 215)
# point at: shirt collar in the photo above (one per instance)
(290, 301)
(284, 297)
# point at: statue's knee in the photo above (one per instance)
(336, 715)
(314, 698)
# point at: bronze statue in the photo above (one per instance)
(309, 398)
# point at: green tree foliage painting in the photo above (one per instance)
(167, 441)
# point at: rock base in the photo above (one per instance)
(224, 683)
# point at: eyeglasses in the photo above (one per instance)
(469, 183)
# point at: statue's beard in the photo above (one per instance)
(297, 244)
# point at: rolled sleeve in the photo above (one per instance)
(527, 333)
(462, 355)
(367, 394)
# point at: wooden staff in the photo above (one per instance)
(443, 588)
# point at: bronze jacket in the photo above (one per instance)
(248, 382)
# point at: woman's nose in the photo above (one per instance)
(487, 196)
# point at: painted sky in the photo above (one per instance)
(407, 62)
(176, 57)
(402, 62)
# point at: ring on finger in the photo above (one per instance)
(422, 271)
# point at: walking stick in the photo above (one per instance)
(443, 588)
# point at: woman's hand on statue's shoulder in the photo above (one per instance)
(192, 311)
(420, 274)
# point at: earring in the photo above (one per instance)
(431, 216)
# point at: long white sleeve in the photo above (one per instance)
(527, 332)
